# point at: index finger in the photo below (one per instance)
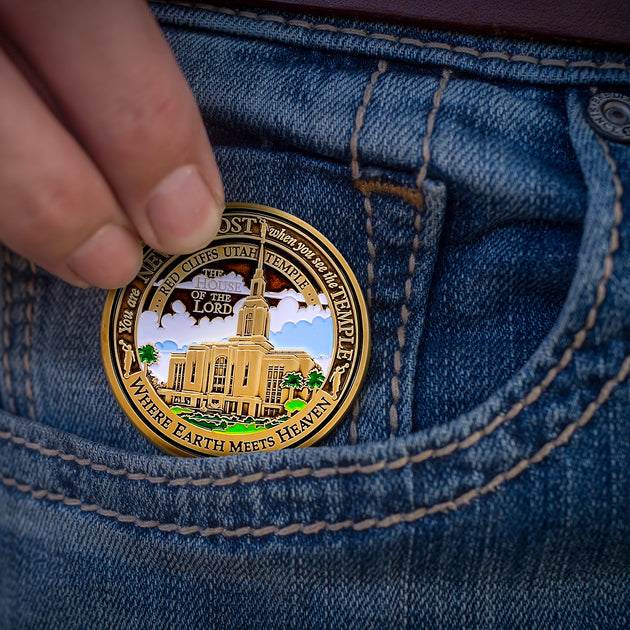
(121, 92)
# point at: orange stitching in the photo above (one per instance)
(369, 229)
(426, 149)
(27, 342)
(6, 339)
(404, 311)
(461, 50)
(410, 195)
(370, 523)
(360, 116)
(354, 168)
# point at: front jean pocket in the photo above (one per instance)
(508, 461)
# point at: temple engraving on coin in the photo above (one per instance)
(258, 342)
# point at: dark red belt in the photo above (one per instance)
(589, 21)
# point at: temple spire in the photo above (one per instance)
(253, 318)
(258, 282)
(261, 252)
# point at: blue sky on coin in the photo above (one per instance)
(294, 325)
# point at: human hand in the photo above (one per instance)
(101, 141)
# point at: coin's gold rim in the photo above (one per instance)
(329, 424)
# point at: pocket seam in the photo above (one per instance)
(501, 55)
(415, 198)
(365, 524)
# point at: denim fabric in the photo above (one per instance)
(483, 478)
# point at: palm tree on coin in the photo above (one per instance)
(315, 379)
(149, 355)
(292, 381)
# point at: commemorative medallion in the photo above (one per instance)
(258, 342)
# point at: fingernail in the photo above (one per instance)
(109, 259)
(183, 213)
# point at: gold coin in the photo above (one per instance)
(258, 342)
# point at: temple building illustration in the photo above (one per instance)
(244, 375)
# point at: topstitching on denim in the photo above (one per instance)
(371, 523)
(386, 465)
(404, 311)
(6, 339)
(355, 171)
(28, 387)
(375, 186)
(360, 117)
(411, 196)
(464, 50)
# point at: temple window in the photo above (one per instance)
(220, 370)
(246, 375)
(274, 384)
(249, 321)
(179, 376)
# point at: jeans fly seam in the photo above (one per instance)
(28, 381)
(405, 41)
(321, 526)
(6, 334)
(391, 465)
(415, 247)
(356, 173)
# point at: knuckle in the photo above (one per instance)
(39, 223)
(52, 203)
(58, 212)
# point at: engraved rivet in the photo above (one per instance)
(609, 114)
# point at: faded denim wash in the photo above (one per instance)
(483, 478)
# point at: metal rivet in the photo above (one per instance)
(609, 114)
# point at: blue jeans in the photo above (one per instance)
(483, 477)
